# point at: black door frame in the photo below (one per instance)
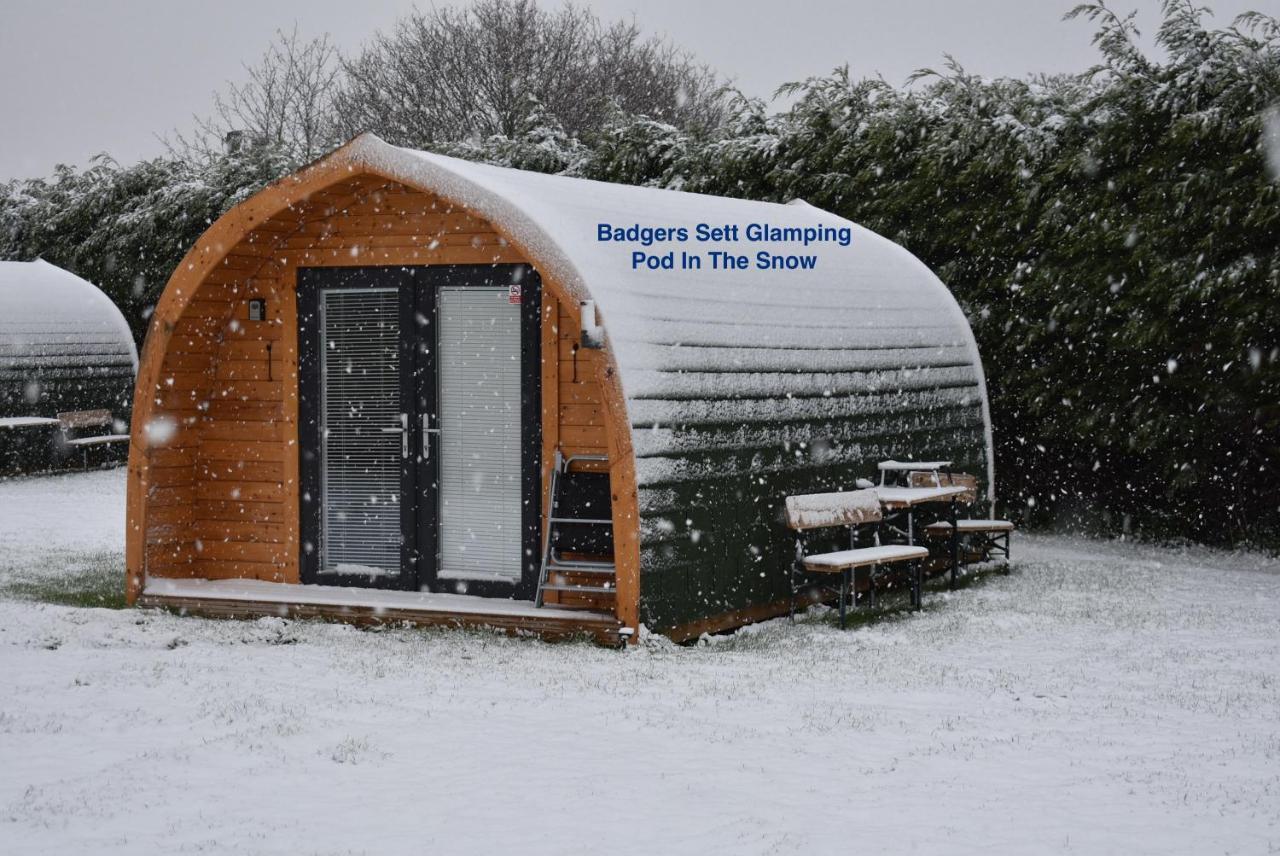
(420, 552)
(310, 482)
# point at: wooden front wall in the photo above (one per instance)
(222, 487)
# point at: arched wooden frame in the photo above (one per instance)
(227, 234)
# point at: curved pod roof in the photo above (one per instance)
(868, 314)
(63, 334)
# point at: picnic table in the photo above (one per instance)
(901, 502)
(26, 421)
(904, 499)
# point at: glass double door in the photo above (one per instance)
(419, 416)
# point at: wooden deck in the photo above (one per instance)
(256, 598)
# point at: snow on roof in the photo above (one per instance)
(868, 341)
(46, 311)
(698, 335)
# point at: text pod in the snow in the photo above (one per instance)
(642, 240)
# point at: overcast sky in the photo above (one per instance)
(79, 77)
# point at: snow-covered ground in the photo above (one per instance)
(1105, 698)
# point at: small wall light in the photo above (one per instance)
(592, 334)
(257, 309)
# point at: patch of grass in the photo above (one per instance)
(69, 579)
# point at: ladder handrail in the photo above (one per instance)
(567, 461)
(552, 494)
(560, 466)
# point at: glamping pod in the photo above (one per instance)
(64, 348)
(400, 386)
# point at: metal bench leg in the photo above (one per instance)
(844, 594)
(917, 579)
(955, 544)
(791, 601)
(797, 569)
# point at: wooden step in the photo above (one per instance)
(569, 588)
(581, 566)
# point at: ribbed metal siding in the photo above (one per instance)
(719, 445)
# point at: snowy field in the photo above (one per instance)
(1105, 698)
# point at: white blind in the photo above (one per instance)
(360, 464)
(479, 441)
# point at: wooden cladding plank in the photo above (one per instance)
(244, 531)
(217, 569)
(248, 390)
(223, 294)
(582, 435)
(251, 331)
(175, 400)
(245, 257)
(165, 457)
(166, 570)
(581, 414)
(263, 368)
(184, 381)
(236, 429)
(180, 495)
(172, 515)
(360, 226)
(586, 392)
(245, 349)
(176, 361)
(233, 450)
(266, 267)
(242, 551)
(235, 491)
(195, 326)
(260, 471)
(254, 512)
(251, 411)
(173, 553)
(411, 203)
(170, 477)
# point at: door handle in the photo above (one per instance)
(427, 431)
(403, 431)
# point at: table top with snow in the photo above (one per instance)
(905, 466)
(906, 497)
(1104, 698)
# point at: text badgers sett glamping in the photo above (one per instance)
(646, 237)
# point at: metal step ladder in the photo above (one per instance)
(602, 573)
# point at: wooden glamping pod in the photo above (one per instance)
(356, 384)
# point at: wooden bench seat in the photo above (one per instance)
(848, 510)
(985, 537)
(99, 440)
(71, 423)
(942, 529)
(861, 557)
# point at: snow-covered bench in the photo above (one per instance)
(986, 534)
(72, 422)
(849, 510)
